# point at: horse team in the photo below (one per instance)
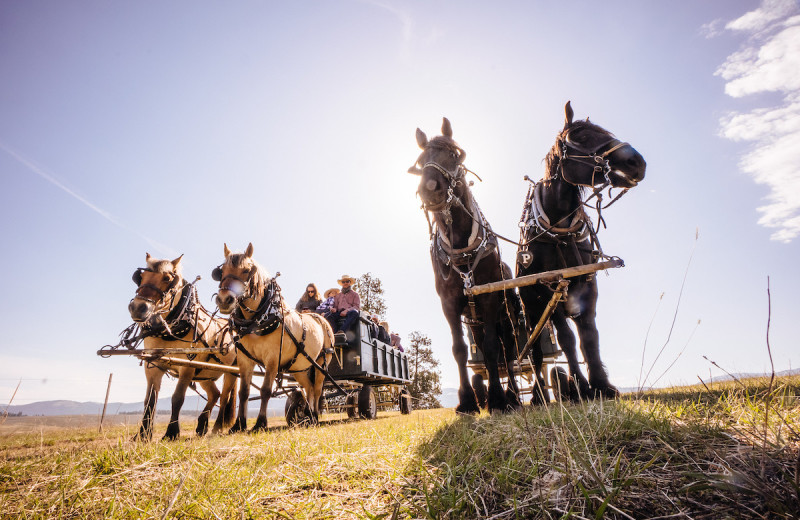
(556, 233)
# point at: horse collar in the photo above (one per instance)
(266, 317)
(179, 321)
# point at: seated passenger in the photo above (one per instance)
(373, 327)
(346, 307)
(383, 333)
(395, 337)
(309, 301)
(325, 307)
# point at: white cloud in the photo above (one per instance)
(769, 61)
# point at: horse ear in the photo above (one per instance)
(249, 251)
(226, 250)
(447, 129)
(422, 139)
(568, 114)
(147, 257)
(176, 262)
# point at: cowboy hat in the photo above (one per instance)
(333, 291)
(344, 278)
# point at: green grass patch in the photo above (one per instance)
(726, 451)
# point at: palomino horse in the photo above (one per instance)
(167, 309)
(270, 334)
(557, 233)
(464, 253)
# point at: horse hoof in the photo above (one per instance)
(142, 437)
(236, 428)
(607, 392)
(512, 401)
(468, 409)
(170, 437)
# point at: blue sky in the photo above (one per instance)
(173, 127)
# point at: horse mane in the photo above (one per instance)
(165, 266)
(259, 277)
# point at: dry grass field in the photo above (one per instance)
(729, 451)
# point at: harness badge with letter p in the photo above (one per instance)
(524, 258)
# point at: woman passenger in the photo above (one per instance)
(309, 301)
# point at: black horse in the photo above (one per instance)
(557, 233)
(464, 253)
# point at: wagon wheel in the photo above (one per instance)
(367, 402)
(297, 409)
(351, 401)
(405, 402)
(481, 392)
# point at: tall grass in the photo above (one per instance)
(683, 453)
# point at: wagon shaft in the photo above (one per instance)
(547, 276)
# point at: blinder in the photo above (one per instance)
(137, 276)
(216, 273)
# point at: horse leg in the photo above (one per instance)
(510, 354)
(245, 377)
(467, 403)
(154, 376)
(185, 377)
(590, 345)
(490, 307)
(266, 392)
(227, 403)
(304, 379)
(212, 394)
(566, 340)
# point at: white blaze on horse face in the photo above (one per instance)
(236, 287)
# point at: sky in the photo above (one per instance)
(171, 128)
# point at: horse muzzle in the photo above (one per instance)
(226, 301)
(627, 168)
(140, 310)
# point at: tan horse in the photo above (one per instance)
(167, 310)
(271, 334)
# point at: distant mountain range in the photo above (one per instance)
(192, 404)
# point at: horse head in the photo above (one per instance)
(440, 167)
(154, 284)
(589, 155)
(239, 277)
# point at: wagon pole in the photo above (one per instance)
(547, 276)
(559, 295)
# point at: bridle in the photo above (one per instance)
(596, 157)
(160, 305)
(239, 296)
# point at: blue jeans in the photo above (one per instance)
(342, 323)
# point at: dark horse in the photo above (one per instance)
(557, 233)
(464, 253)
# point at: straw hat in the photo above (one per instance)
(333, 291)
(345, 277)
